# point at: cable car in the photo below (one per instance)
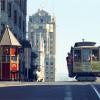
(83, 61)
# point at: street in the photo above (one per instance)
(51, 91)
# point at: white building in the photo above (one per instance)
(42, 36)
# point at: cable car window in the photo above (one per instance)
(77, 55)
(77, 60)
(95, 63)
(86, 54)
(95, 54)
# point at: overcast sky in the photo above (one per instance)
(75, 20)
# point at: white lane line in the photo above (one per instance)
(68, 95)
(94, 88)
(68, 98)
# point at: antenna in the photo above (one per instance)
(83, 40)
(53, 7)
(42, 4)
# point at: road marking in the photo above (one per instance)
(94, 88)
(68, 95)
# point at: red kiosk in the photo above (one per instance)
(9, 56)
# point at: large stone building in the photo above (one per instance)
(42, 36)
(13, 13)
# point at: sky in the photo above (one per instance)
(75, 20)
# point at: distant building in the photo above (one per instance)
(42, 36)
(13, 13)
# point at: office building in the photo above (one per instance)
(13, 13)
(42, 36)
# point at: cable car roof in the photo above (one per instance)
(86, 47)
(77, 44)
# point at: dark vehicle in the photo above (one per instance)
(83, 61)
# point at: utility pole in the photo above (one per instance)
(0, 17)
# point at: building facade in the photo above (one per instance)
(13, 13)
(42, 36)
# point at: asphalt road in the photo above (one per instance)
(68, 91)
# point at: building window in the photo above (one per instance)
(47, 67)
(37, 41)
(51, 35)
(2, 4)
(20, 22)
(9, 9)
(51, 47)
(46, 63)
(51, 63)
(23, 26)
(37, 45)
(6, 51)
(51, 68)
(40, 28)
(41, 20)
(44, 41)
(8, 58)
(51, 72)
(14, 58)
(13, 51)
(2, 27)
(30, 19)
(51, 52)
(3, 58)
(20, 3)
(47, 77)
(52, 78)
(45, 46)
(15, 17)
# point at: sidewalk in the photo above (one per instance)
(20, 83)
